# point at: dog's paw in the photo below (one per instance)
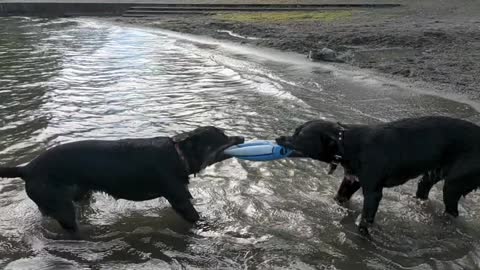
(451, 214)
(203, 225)
(340, 200)
(363, 231)
(363, 228)
(419, 201)
(76, 236)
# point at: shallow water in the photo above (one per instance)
(67, 80)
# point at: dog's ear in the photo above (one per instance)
(186, 138)
(335, 135)
(181, 137)
(188, 141)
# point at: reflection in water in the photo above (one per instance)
(66, 80)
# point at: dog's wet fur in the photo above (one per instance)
(390, 154)
(131, 169)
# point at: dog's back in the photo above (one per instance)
(109, 166)
(407, 148)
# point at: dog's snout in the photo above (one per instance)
(281, 139)
(238, 139)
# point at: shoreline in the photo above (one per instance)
(439, 47)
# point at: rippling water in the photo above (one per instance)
(66, 80)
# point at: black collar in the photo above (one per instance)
(182, 157)
(338, 156)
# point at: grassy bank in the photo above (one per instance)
(284, 17)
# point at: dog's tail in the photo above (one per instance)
(11, 172)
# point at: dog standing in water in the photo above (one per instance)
(390, 154)
(131, 169)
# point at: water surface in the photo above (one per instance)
(68, 80)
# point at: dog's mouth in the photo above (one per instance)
(218, 155)
(287, 142)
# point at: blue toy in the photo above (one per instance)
(258, 151)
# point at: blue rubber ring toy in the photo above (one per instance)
(258, 151)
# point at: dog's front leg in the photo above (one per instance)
(184, 207)
(186, 210)
(348, 187)
(371, 200)
(429, 179)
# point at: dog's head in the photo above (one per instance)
(204, 146)
(316, 139)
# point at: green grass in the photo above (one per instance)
(281, 17)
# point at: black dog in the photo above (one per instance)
(132, 169)
(387, 155)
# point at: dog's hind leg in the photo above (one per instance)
(429, 179)
(454, 189)
(451, 195)
(460, 180)
(55, 202)
(65, 215)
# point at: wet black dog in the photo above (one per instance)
(389, 154)
(131, 169)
